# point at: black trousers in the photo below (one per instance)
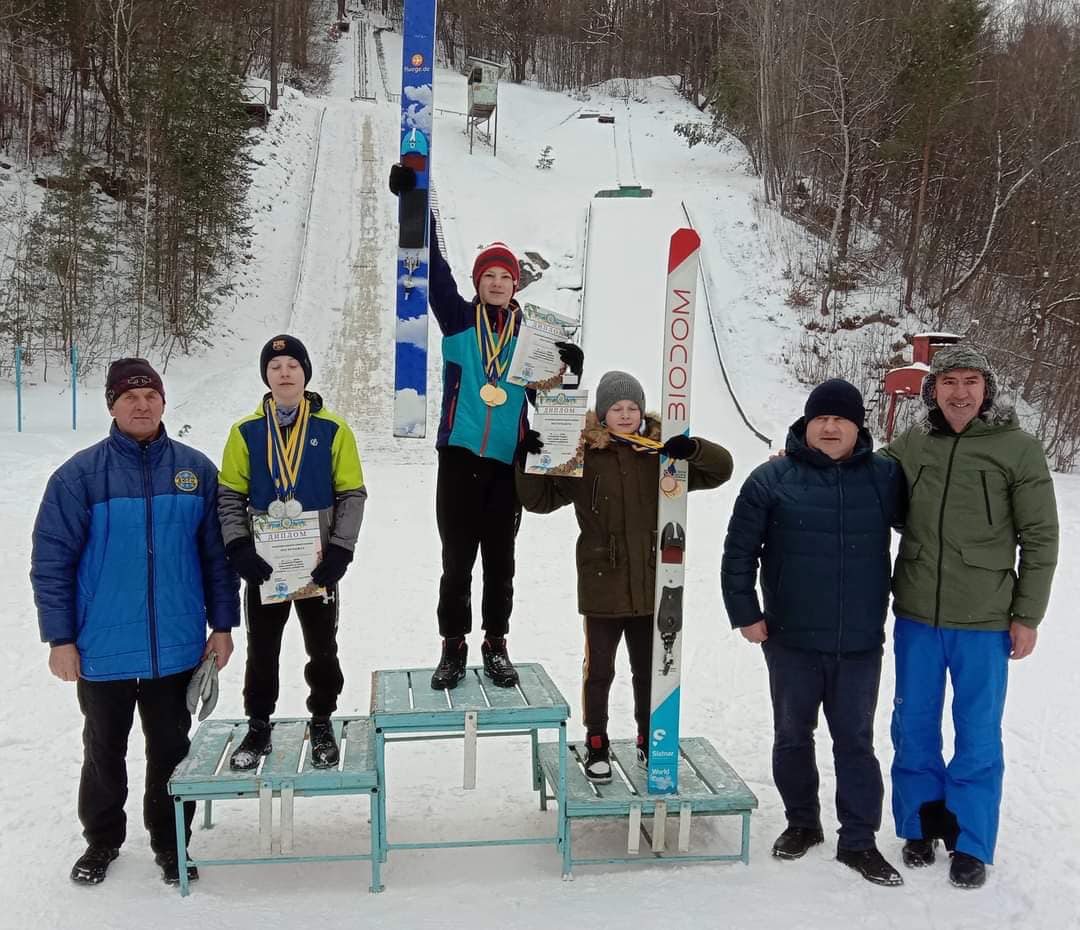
(846, 686)
(602, 636)
(476, 507)
(108, 711)
(265, 625)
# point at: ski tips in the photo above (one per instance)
(684, 242)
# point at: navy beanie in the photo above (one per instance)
(836, 398)
(285, 345)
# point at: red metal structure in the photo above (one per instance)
(907, 381)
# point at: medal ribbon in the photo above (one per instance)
(640, 443)
(491, 349)
(284, 458)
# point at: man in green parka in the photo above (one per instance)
(980, 488)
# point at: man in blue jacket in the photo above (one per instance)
(817, 520)
(128, 570)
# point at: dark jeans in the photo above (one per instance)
(108, 710)
(476, 507)
(265, 624)
(602, 636)
(846, 685)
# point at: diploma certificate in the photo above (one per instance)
(560, 420)
(293, 548)
(536, 357)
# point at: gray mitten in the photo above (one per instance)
(204, 686)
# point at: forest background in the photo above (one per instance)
(930, 149)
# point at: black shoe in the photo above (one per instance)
(91, 866)
(170, 868)
(497, 664)
(451, 667)
(966, 871)
(871, 865)
(795, 841)
(918, 854)
(254, 745)
(324, 748)
(598, 759)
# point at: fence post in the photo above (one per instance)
(74, 384)
(18, 388)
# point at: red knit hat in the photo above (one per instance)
(498, 253)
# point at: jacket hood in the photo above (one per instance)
(598, 436)
(796, 446)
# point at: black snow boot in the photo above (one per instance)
(451, 667)
(918, 854)
(254, 745)
(324, 748)
(938, 821)
(870, 864)
(91, 866)
(966, 871)
(497, 664)
(795, 841)
(598, 758)
(169, 864)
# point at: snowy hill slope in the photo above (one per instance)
(344, 312)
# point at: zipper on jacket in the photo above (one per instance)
(840, 491)
(148, 499)
(941, 533)
(986, 498)
(487, 430)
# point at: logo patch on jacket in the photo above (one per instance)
(186, 480)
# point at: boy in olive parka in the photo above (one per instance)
(615, 502)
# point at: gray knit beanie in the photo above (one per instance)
(615, 386)
(950, 359)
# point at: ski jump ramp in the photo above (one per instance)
(622, 314)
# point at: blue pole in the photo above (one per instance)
(74, 383)
(18, 387)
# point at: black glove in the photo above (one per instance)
(572, 356)
(680, 447)
(251, 566)
(402, 178)
(531, 443)
(330, 570)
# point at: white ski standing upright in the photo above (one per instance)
(671, 517)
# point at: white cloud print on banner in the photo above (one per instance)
(418, 115)
(412, 331)
(410, 413)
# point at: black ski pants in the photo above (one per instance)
(108, 711)
(476, 507)
(602, 636)
(265, 626)
(846, 686)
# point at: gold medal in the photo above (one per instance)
(493, 395)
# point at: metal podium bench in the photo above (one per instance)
(404, 707)
(707, 786)
(287, 773)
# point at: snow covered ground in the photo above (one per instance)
(343, 308)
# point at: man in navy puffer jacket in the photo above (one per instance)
(818, 520)
(129, 570)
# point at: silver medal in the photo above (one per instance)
(276, 509)
(293, 508)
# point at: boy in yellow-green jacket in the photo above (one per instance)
(291, 456)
